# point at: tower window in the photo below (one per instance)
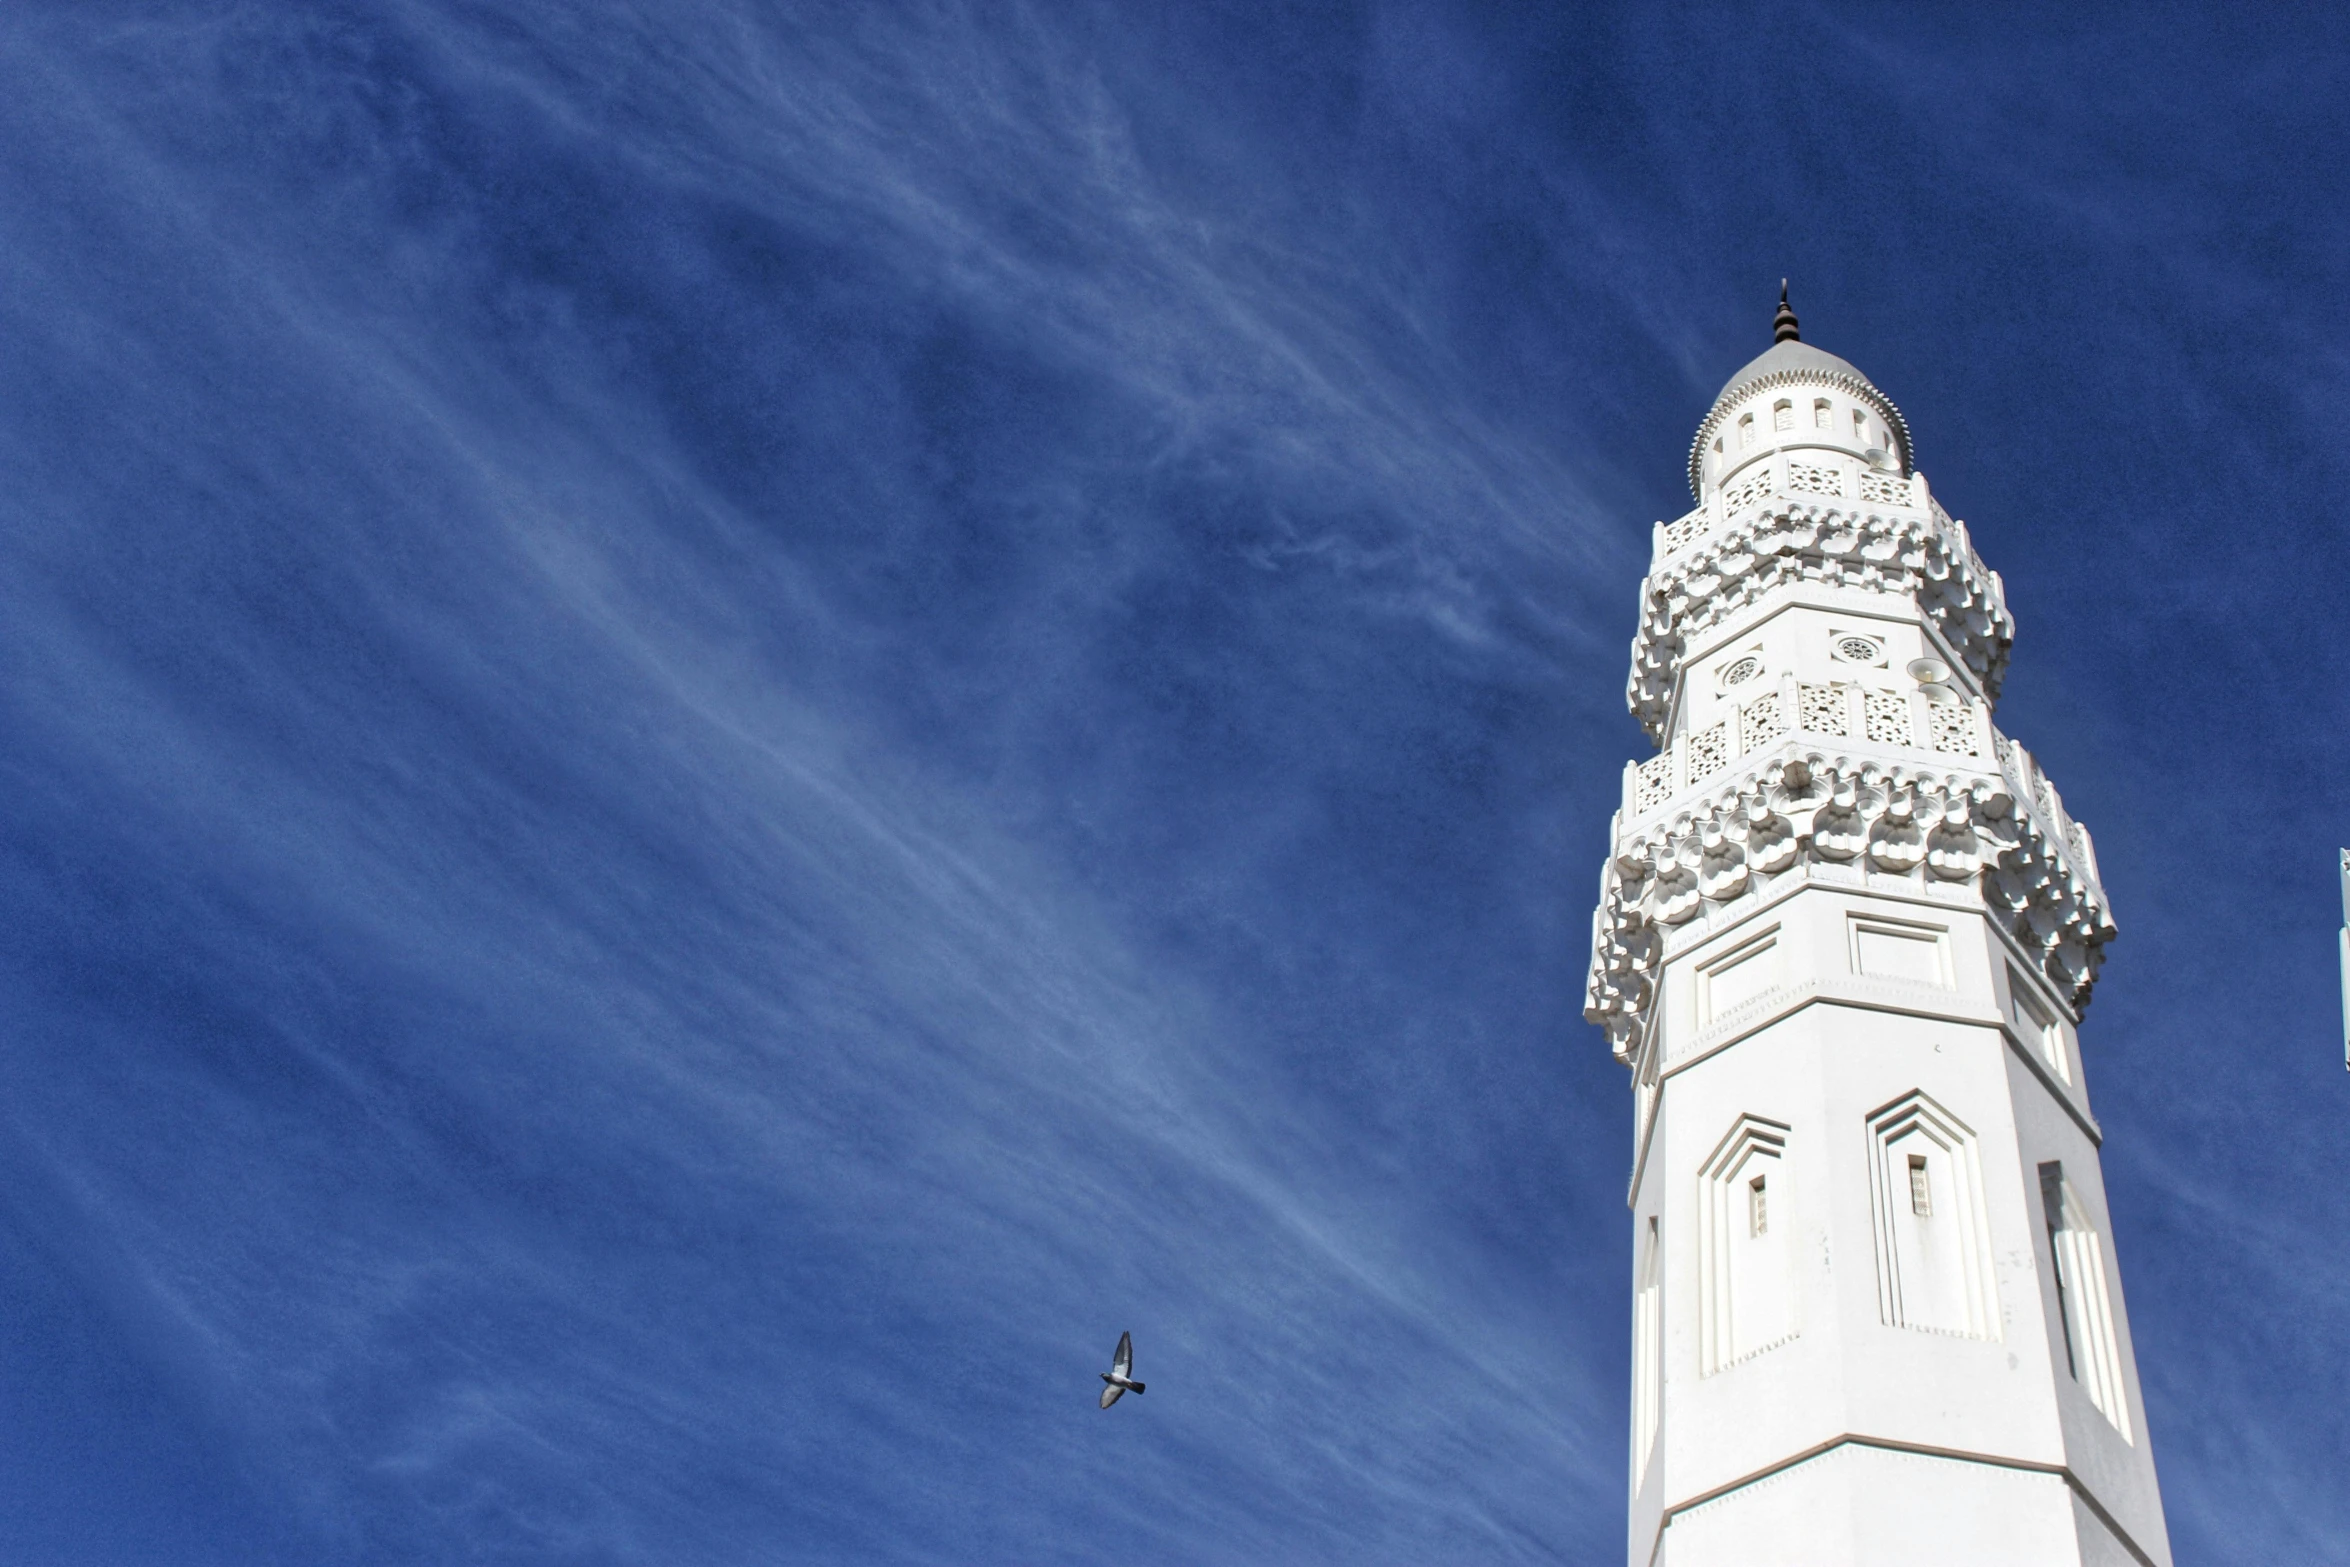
(1935, 1269)
(1860, 428)
(1858, 650)
(1648, 1333)
(1819, 414)
(1746, 431)
(2084, 1300)
(1745, 1277)
(1782, 415)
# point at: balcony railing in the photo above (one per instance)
(1840, 711)
(1805, 474)
(1834, 710)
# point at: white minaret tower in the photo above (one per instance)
(1843, 944)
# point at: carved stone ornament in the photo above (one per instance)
(1921, 556)
(2032, 869)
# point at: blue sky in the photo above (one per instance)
(727, 725)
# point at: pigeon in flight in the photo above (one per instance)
(1116, 1376)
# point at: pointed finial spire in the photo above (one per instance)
(1783, 325)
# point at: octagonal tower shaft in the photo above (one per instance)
(1843, 944)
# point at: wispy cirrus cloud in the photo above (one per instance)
(730, 729)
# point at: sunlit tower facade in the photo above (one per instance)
(1843, 943)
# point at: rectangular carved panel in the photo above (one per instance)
(1900, 949)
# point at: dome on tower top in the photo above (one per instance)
(1793, 354)
(1791, 362)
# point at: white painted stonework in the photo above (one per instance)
(1843, 944)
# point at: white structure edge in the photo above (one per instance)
(1845, 935)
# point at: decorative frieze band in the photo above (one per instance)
(1832, 710)
(1920, 556)
(2003, 831)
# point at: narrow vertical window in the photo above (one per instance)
(2052, 1204)
(1934, 1262)
(1746, 431)
(1782, 415)
(1648, 1331)
(2084, 1298)
(1860, 428)
(1746, 1280)
(1819, 414)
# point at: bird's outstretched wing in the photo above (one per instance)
(1111, 1394)
(1123, 1362)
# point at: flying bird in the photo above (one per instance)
(1116, 1376)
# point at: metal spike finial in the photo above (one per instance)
(1783, 325)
